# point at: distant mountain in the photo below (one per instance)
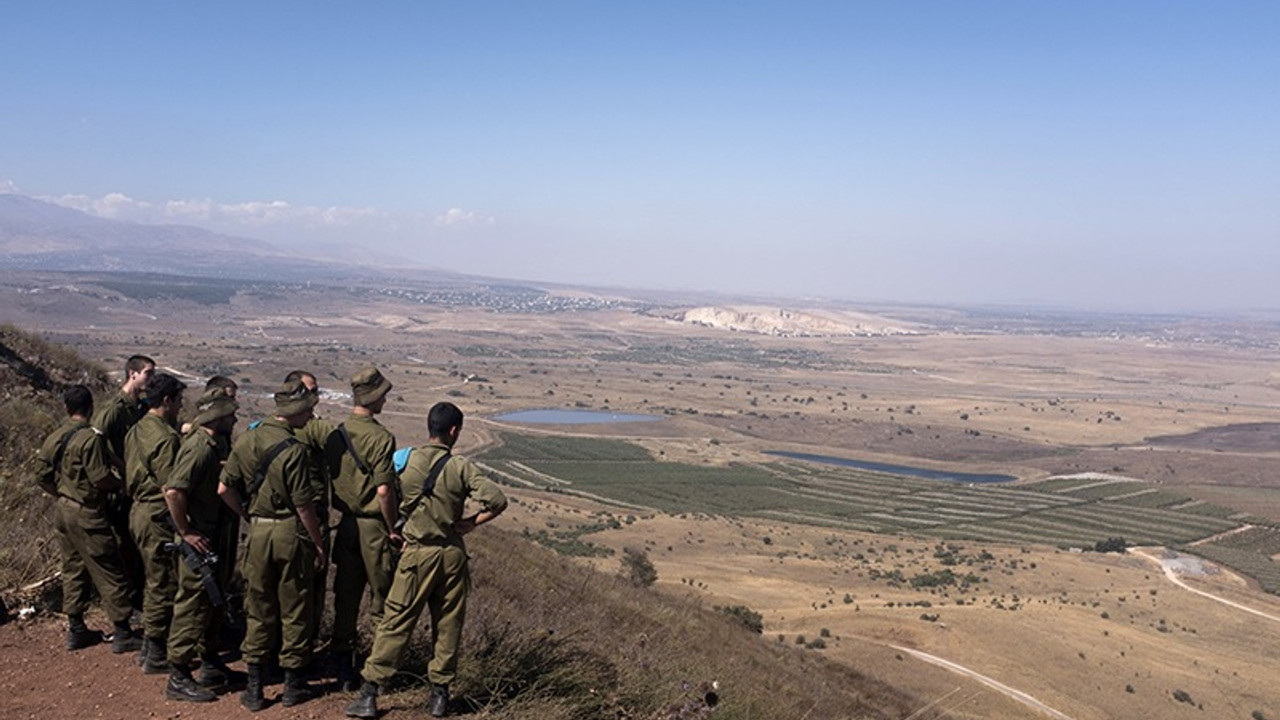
(38, 235)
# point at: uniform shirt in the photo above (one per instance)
(149, 451)
(433, 518)
(84, 465)
(196, 470)
(314, 435)
(114, 418)
(286, 485)
(355, 492)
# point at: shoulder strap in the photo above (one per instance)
(260, 476)
(351, 448)
(62, 447)
(428, 485)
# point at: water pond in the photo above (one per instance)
(572, 417)
(956, 477)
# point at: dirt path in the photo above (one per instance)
(1170, 565)
(39, 680)
(996, 685)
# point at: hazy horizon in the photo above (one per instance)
(1100, 156)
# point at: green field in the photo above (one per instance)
(1066, 512)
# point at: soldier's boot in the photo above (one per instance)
(344, 666)
(439, 704)
(252, 698)
(296, 690)
(125, 639)
(366, 703)
(79, 636)
(157, 662)
(213, 672)
(183, 688)
(142, 652)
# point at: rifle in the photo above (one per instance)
(201, 563)
(198, 562)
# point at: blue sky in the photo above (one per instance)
(1112, 155)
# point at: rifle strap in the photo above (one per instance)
(261, 475)
(428, 485)
(351, 448)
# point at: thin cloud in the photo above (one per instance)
(114, 206)
(459, 218)
(246, 215)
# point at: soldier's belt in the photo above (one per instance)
(77, 503)
(260, 519)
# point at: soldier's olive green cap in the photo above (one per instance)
(294, 398)
(214, 405)
(368, 386)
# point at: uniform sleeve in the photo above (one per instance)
(184, 468)
(97, 459)
(380, 460)
(481, 489)
(233, 475)
(297, 483)
(163, 460)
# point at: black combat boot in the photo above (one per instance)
(183, 687)
(252, 698)
(344, 668)
(79, 636)
(296, 690)
(157, 660)
(439, 704)
(366, 704)
(125, 639)
(214, 673)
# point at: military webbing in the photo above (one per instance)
(428, 485)
(351, 448)
(62, 447)
(261, 475)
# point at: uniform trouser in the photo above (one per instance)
(279, 567)
(320, 582)
(434, 577)
(195, 620)
(116, 508)
(362, 551)
(161, 566)
(90, 558)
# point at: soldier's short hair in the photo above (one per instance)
(441, 417)
(137, 363)
(163, 387)
(78, 400)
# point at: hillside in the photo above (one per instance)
(792, 323)
(545, 638)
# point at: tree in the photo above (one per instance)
(637, 567)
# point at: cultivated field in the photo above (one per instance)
(1160, 430)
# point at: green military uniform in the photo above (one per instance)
(150, 449)
(195, 472)
(90, 554)
(313, 436)
(113, 419)
(279, 561)
(362, 551)
(432, 571)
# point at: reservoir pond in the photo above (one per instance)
(572, 417)
(943, 475)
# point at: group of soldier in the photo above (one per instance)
(149, 512)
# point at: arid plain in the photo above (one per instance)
(1184, 405)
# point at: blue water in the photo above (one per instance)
(573, 417)
(943, 475)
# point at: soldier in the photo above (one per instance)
(150, 449)
(313, 436)
(267, 470)
(74, 461)
(365, 489)
(113, 419)
(199, 518)
(432, 572)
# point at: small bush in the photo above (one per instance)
(638, 568)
